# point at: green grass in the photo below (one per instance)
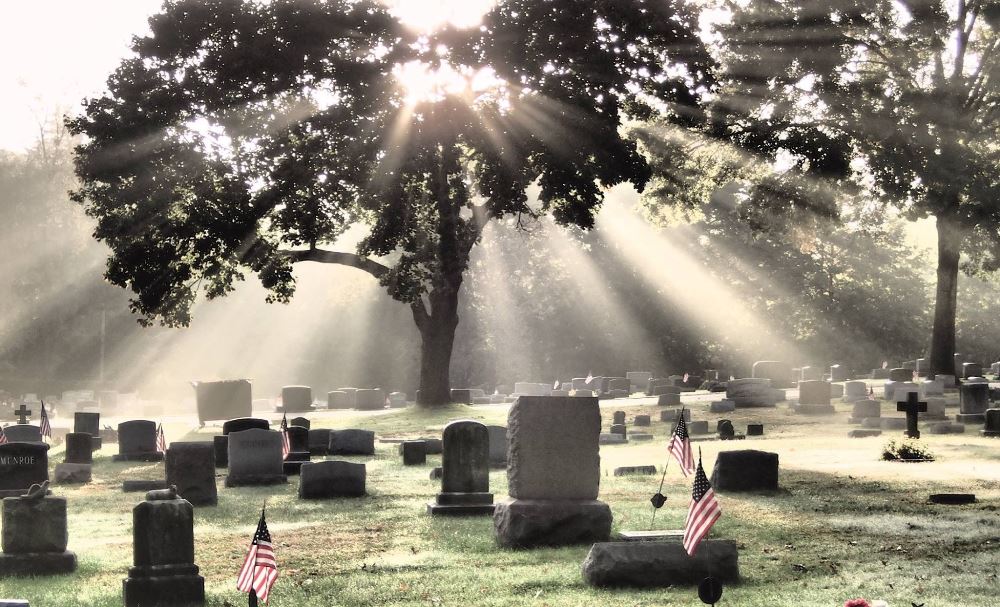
(844, 524)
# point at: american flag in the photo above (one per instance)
(555, 386)
(286, 446)
(46, 428)
(3, 437)
(686, 376)
(885, 364)
(161, 441)
(916, 377)
(590, 377)
(702, 513)
(260, 569)
(871, 393)
(680, 446)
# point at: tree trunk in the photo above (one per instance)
(945, 306)
(437, 336)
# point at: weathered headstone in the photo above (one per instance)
(912, 407)
(838, 373)
(992, 425)
(296, 399)
(35, 536)
(753, 392)
(722, 406)
(329, 479)
(340, 399)
(302, 422)
(163, 572)
(746, 470)
(553, 474)
(23, 433)
(352, 442)
(223, 399)
(414, 452)
(755, 429)
(972, 370)
(659, 564)
(634, 470)
(638, 379)
(77, 467)
(808, 373)
(465, 476)
(89, 423)
(298, 443)
(975, 400)
(900, 374)
(671, 399)
(319, 441)
(498, 445)
(778, 372)
(21, 466)
(641, 421)
(865, 409)
(618, 417)
(855, 391)
(255, 458)
(137, 442)
(191, 468)
(369, 399)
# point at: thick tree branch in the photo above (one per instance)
(345, 259)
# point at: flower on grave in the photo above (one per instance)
(856, 603)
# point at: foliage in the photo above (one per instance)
(906, 450)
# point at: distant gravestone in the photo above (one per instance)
(810, 374)
(755, 429)
(137, 442)
(370, 399)
(302, 422)
(319, 441)
(35, 536)
(244, 423)
(191, 468)
(79, 459)
(745, 470)
(340, 399)
(298, 453)
(498, 445)
(553, 474)
(21, 466)
(638, 379)
(223, 399)
(352, 442)
(330, 479)
(992, 425)
(618, 417)
(669, 400)
(296, 399)
(698, 427)
(975, 400)
(89, 423)
(900, 374)
(163, 572)
(641, 421)
(865, 409)
(23, 433)
(972, 370)
(912, 407)
(465, 471)
(778, 372)
(722, 406)
(838, 373)
(255, 458)
(414, 452)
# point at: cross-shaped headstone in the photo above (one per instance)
(912, 407)
(22, 413)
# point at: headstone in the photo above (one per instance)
(244, 423)
(893, 423)
(746, 470)
(298, 443)
(220, 445)
(35, 536)
(498, 445)
(553, 475)
(77, 467)
(753, 392)
(838, 373)
(959, 362)
(330, 479)
(296, 399)
(89, 423)
(302, 422)
(722, 406)
(619, 384)
(191, 468)
(947, 380)
(669, 400)
(755, 429)
(414, 452)
(670, 415)
(972, 370)
(21, 466)
(638, 379)
(319, 441)
(901, 391)
(461, 395)
(659, 564)
(23, 433)
(992, 426)
(912, 407)
(618, 417)
(641, 421)
(369, 399)
(810, 374)
(619, 429)
(900, 374)
(975, 401)
(778, 372)
(725, 429)
(436, 473)
(863, 433)
(163, 572)
(931, 387)
(255, 458)
(698, 427)
(612, 438)
(352, 442)
(855, 391)
(635, 470)
(865, 409)
(465, 477)
(398, 399)
(340, 399)
(223, 399)
(946, 428)
(935, 408)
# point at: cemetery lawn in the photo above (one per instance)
(844, 525)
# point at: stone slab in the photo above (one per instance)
(530, 523)
(659, 564)
(35, 564)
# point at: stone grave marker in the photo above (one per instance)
(745, 470)
(753, 392)
(330, 479)
(838, 373)
(296, 399)
(163, 572)
(301, 422)
(634, 470)
(298, 442)
(255, 458)
(340, 399)
(975, 400)
(498, 445)
(23, 433)
(35, 536)
(855, 391)
(352, 442)
(722, 406)
(972, 370)
(414, 452)
(669, 399)
(698, 427)
(755, 429)
(228, 399)
(641, 421)
(553, 474)
(865, 409)
(137, 442)
(659, 564)
(319, 441)
(79, 459)
(618, 417)
(465, 471)
(778, 372)
(191, 468)
(814, 398)
(992, 425)
(370, 399)
(912, 407)
(234, 425)
(900, 374)
(89, 423)
(21, 466)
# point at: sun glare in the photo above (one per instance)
(429, 15)
(422, 83)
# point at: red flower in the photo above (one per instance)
(857, 603)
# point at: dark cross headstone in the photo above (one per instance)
(22, 413)
(912, 407)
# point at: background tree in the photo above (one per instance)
(247, 136)
(903, 95)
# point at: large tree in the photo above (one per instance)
(248, 136)
(901, 96)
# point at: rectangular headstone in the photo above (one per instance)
(21, 466)
(218, 400)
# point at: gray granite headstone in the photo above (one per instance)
(329, 479)
(191, 468)
(23, 433)
(352, 442)
(35, 536)
(498, 445)
(465, 476)
(223, 399)
(296, 399)
(21, 466)
(255, 458)
(137, 441)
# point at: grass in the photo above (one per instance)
(844, 525)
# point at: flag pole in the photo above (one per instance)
(252, 599)
(652, 521)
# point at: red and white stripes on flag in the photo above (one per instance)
(161, 441)
(46, 428)
(260, 569)
(3, 437)
(680, 446)
(286, 445)
(702, 513)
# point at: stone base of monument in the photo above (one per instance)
(39, 563)
(96, 442)
(221, 444)
(249, 480)
(659, 564)
(166, 586)
(156, 456)
(990, 433)
(67, 473)
(462, 504)
(971, 418)
(528, 523)
(294, 462)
